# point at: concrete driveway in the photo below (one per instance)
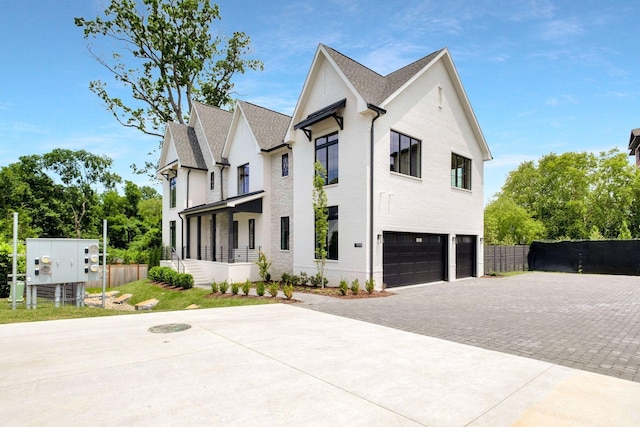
(588, 322)
(283, 365)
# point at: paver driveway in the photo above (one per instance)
(589, 322)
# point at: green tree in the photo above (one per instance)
(80, 171)
(506, 223)
(321, 214)
(171, 59)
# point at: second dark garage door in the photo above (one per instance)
(410, 258)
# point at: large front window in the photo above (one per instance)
(332, 233)
(252, 234)
(243, 179)
(327, 155)
(172, 192)
(404, 154)
(460, 172)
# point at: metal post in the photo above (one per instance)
(104, 261)
(14, 285)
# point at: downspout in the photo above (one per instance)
(379, 111)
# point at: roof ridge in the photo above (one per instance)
(352, 60)
(264, 108)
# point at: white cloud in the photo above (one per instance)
(561, 100)
(560, 30)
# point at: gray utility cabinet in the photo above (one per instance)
(57, 261)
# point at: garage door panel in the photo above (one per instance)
(465, 256)
(411, 258)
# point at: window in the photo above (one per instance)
(284, 233)
(172, 234)
(327, 155)
(252, 234)
(332, 233)
(460, 172)
(285, 164)
(405, 154)
(243, 179)
(212, 180)
(172, 192)
(235, 234)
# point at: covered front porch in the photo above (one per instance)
(221, 238)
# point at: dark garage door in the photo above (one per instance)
(411, 258)
(465, 256)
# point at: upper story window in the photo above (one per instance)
(172, 192)
(460, 172)
(212, 180)
(285, 164)
(243, 179)
(327, 155)
(405, 154)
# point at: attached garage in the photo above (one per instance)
(465, 256)
(411, 258)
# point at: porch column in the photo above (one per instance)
(230, 256)
(212, 238)
(188, 254)
(199, 238)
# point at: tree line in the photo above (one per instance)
(570, 196)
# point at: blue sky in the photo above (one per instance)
(542, 76)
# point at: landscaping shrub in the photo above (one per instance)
(246, 287)
(371, 285)
(185, 280)
(303, 278)
(235, 288)
(288, 291)
(287, 278)
(260, 288)
(273, 289)
(317, 280)
(344, 287)
(223, 287)
(355, 287)
(214, 287)
(263, 266)
(153, 274)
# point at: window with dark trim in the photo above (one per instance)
(235, 234)
(172, 191)
(252, 233)
(327, 155)
(405, 154)
(212, 180)
(284, 233)
(285, 164)
(172, 234)
(332, 233)
(460, 172)
(243, 179)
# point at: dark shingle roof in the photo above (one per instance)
(187, 148)
(216, 123)
(268, 126)
(373, 87)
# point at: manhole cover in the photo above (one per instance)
(170, 327)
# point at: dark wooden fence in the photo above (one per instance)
(119, 274)
(502, 259)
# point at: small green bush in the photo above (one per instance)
(371, 285)
(185, 280)
(223, 287)
(355, 287)
(260, 288)
(246, 287)
(214, 287)
(235, 288)
(263, 265)
(288, 291)
(303, 279)
(317, 280)
(344, 287)
(152, 274)
(287, 278)
(274, 287)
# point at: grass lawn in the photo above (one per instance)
(141, 290)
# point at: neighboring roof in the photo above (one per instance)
(215, 123)
(268, 126)
(373, 87)
(186, 143)
(634, 141)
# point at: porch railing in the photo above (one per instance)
(170, 254)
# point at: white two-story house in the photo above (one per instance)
(404, 156)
